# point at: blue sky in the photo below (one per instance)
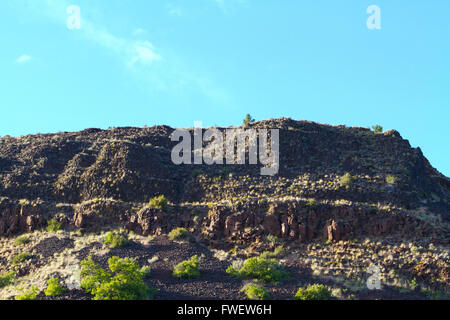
(140, 62)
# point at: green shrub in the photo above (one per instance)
(159, 202)
(146, 271)
(258, 268)
(187, 269)
(346, 180)
(30, 294)
(313, 292)
(54, 289)
(21, 257)
(53, 225)
(115, 240)
(377, 128)
(312, 204)
(123, 281)
(178, 234)
(435, 294)
(279, 252)
(7, 278)
(256, 292)
(273, 239)
(23, 239)
(391, 179)
(413, 285)
(248, 119)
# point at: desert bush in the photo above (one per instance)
(312, 204)
(391, 179)
(30, 294)
(115, 240)
(256, 292)
(123, 281)
(377, 128)
(21, 240)
(346, 180)
(273, 239)
(7, 278)
(187, 269)
(146, 271)
(247, 120)
(178, 234)
(313, 292)
(54, 289)
(278, 252)
(258, 268)
(159, 202)
(53, 226)
(21, 257)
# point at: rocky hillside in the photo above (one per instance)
(114, 172)
(344, 199)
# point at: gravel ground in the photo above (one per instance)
(162, 254)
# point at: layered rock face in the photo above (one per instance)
(95, 179)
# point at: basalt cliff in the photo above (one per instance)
(344, 198)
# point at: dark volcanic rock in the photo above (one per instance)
(99, 178)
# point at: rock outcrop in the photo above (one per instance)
(95, 179)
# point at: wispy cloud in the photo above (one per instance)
(174, 10)
(143, 53)
(226, 5)
(140, 57)
(129, 51)
(23, 59)
(139, 32)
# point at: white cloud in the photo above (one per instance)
(23, 59)
(142, 59)
(227, 5)
(138, 32)
(174, 10)
(143, 52)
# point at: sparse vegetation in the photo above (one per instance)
(187, 269)
(272, 239)
(53, 226)
(256, 292)
(159, 202)
(278, 252)
(313, 292)
(146, 271)
(21, 240)
(54, 289)
(115, 240)
(391, 179)
(312, 204)
(248, 119)
(346, 180)
(413, 284)
(377, 128)
(7, 279)
(296, 224)
(179, 234)
(30, 294)
(257, 268)
(21, 257)
(123, 281)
